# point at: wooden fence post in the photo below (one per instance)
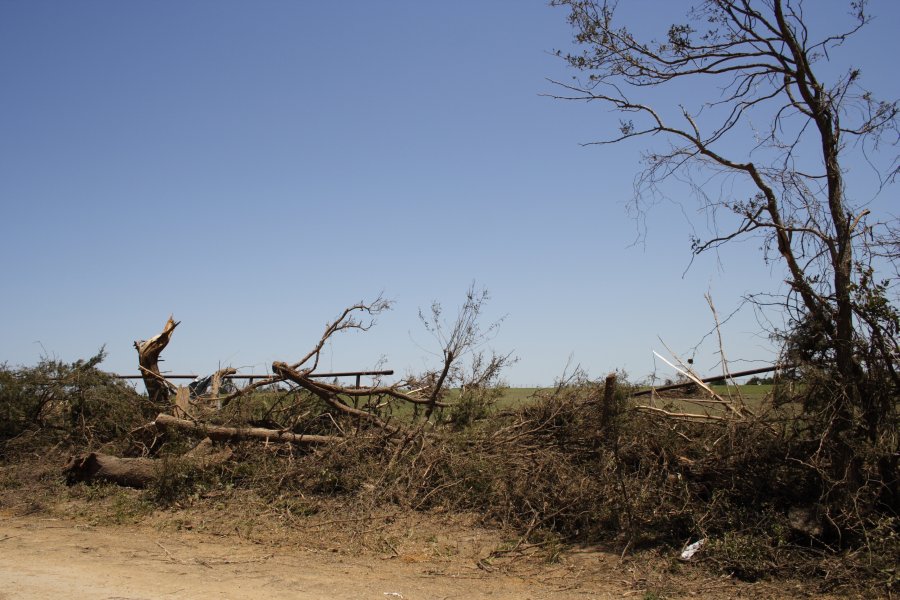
(608, 409)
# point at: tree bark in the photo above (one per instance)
(137, 472)
(222, 433)
(148, 359)
(128, 472)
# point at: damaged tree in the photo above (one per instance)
(219, 433)
(458, 340)
(138, 472)
(786, 185)
(148, 351)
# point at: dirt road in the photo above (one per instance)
(44, 558)
(51, 558)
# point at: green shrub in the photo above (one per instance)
(473, 404)
(72, 402)
(176, 479)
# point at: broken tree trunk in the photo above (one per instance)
(217, 379)
(148, 358)
(222, 433)
(137, 472)
(130, 472)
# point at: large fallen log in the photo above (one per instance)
(138, 472)
(130, 472)
(222, 433)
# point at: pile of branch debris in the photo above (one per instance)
(285, 415)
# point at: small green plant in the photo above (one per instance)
(126, 508)
(473, 404)
(176, 480)
(744, 555)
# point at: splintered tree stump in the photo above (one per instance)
(148, 359)
(217, 379)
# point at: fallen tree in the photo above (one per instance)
(138, 472)
(221, 433)
(129, 472)
(458, 339)
(311, 412)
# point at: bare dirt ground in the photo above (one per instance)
(49, 557)
(52, 558)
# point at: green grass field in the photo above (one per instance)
(514, 397)
(750, 394)
(746, 391)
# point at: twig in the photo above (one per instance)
(169, 554)
(693, 377)
(727, 376)
(686, 416)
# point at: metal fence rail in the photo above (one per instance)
(252, 376)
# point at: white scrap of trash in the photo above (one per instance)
(692, 549)
(395, 594)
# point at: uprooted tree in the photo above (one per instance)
(765, 65)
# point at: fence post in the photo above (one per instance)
(608, 409)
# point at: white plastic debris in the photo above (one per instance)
(692, 549)
(394, 594)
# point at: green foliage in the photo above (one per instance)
(176, 480)
(474, 403)
(73, 402)
(744, 555)
(338, 470)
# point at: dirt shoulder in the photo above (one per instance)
(54, 558)
(48, 557)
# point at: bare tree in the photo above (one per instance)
(458, 340)
(765, 64)
(464, 337)
(359, 317)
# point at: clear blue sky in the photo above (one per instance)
(253, 167)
